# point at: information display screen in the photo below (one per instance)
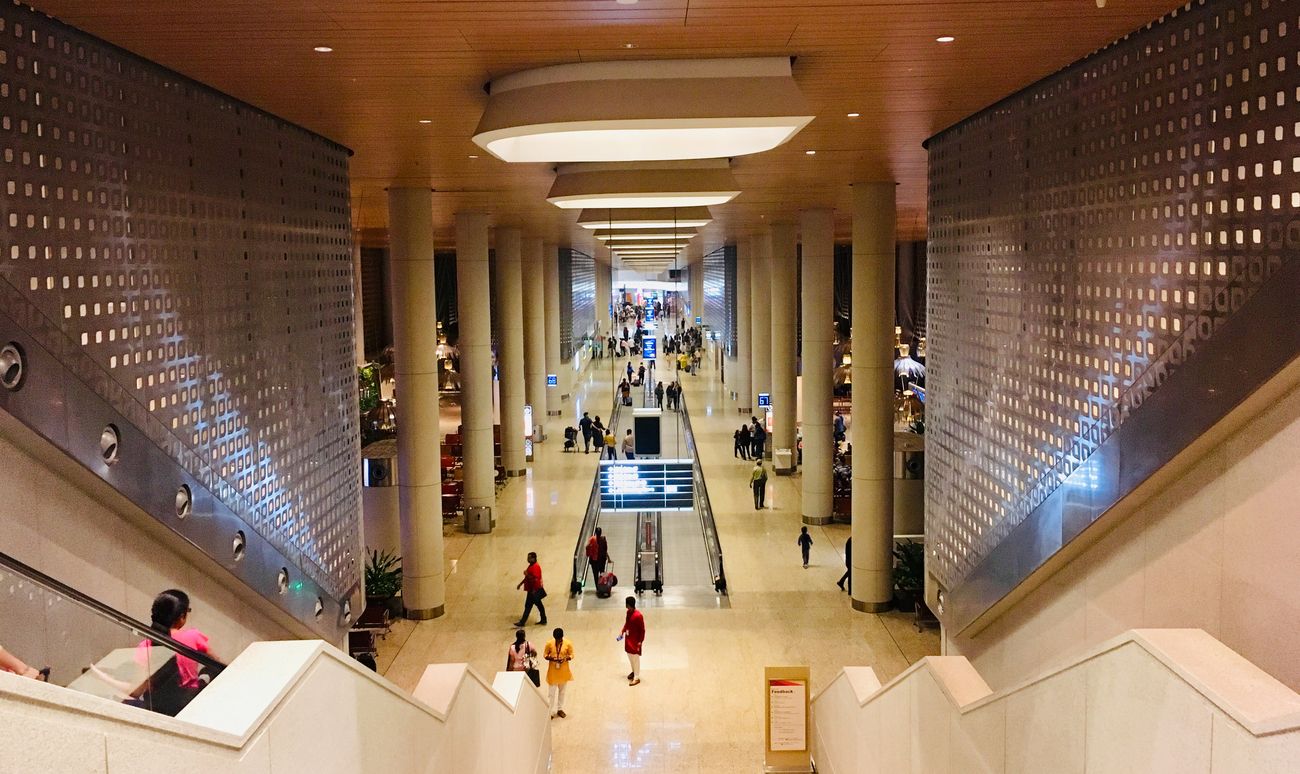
(646, 485)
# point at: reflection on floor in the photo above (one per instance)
(699, 706)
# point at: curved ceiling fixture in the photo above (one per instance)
(651, 184)
(643, 110)
(644, 218)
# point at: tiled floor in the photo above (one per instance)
(699, 707)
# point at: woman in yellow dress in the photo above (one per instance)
(558, 653)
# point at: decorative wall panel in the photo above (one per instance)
(1087, 237)
(187, 259)
(577, 299)
(720, 294)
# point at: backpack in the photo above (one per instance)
(593, 548)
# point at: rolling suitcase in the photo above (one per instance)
(605, 584)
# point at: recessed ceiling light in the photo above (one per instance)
(629, 45)
(810, 152)
(322, 49)
(426, 120)
(639, 110)
(626, 2)
(473, 156)
(944, 39)
(854, 115)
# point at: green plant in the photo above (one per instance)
(909, 567)
(383, 575)
(368, 387)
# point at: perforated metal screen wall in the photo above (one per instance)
(719, 268)
(188, 257)
(1085, 235)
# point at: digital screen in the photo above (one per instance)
(646, 485)
(649, 313)
(698, 319)
(552, 380)
(649, 348)
(764, 399)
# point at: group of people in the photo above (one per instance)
(750, 440)
(558, 652)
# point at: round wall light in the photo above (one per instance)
(13, 366)
(184, 501)
(110, 442)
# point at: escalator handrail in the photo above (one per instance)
(121, 619)
(707, 523)
(589, 520)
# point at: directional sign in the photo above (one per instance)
(646, 485)
(649, 348)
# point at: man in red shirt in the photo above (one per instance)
(633, 635)
(534, 593)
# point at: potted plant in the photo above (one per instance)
(384, 580)
(909, 574)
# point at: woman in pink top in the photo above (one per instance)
(171, 610)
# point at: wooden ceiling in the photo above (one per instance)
(396, 62)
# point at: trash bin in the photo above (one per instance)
(478, 520)
(783, 461)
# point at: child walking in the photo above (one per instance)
(805, 544)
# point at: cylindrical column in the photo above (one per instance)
(555, 396)
(475, 346)
(740, 375)
(873, 396)
(358, 318)
(818, 229)
(415, 365)
(510, 352)
(785, 246)
(760, 329)
(534, 312)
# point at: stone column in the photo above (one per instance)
(358, 316)
(510, 352)
(818, 229)
(415, 339)
(740, 375)
(475, 345)
(555, 396)
(873, 396)
(760, 330)
(534, 313)
(785, 245)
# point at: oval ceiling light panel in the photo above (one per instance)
(643, 110)
(645, 218)
(632, 235)
(648, 184)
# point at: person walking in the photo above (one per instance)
(632, 635)
(521, 657)
(597, 553)
(759, 436)
(629, 370)
(611, 443)
(558, 653)
(805, 544)
(758, 480)
(598, 437)
(629, 446)
(736, 451)
(746, 442)
(640, 374)
(584, 425)
(534, 592)
(848, 567)
(659, 394)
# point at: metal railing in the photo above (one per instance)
(712, 544)
(578, 579)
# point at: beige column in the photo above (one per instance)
(760, 329)
(510, 349)
(784, 324)
(873, 396)
(818, 231)
(740, 373)
(475, 346)
(415, 349)
(358, 316)
(534, 313)
(555, 396)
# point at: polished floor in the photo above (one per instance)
(699, 706)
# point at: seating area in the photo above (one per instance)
(453, 475)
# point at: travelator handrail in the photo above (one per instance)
(122, 620)
(593, 511)
(712, 544)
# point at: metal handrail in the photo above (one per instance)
(712, 544)
(589, 520)
(123, 620)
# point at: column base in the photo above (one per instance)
(424, 613)
(872, 607)
(516, 473)
(818, 521)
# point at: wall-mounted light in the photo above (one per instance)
(13, 366)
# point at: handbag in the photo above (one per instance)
(530, 669)
(541, 593)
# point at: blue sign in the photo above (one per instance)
(764, 399)
(552, 380)
(611, 309)
(649, 348)
(649, 313)
(698, 319)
